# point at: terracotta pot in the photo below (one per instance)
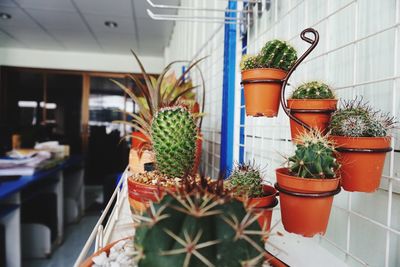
(140, 194)
(89, 261)
(361, 171)
(262, 99)
(136, 142)
(306, 215)
(263, 205)
(197, 160)
(319, 121)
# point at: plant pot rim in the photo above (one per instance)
(317, 99)
(388, 137)
(285, 171)
(264, 69)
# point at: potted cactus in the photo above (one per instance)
(199, 224)
(307, 186)
(169, 135)
(272, 63)
(362, 137)
(247, 184)
(313, 104)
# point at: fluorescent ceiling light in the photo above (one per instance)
(48, 105)
(27, 104)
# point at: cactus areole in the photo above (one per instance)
(174, 136)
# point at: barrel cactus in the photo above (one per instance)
(248, 62)
(313, 90)
(174, 134)
(277, 54)
(314, 157)
(358, 119)
(198, 228)
(246, 178)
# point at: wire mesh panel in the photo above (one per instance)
(358, 55)
(195, 40)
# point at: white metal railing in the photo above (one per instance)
(100, 236)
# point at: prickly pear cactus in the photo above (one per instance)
(314, 157)
(174, 135)
(246, 178)
(198, 229)
(313, 90)
(277, 54)
(248, 62)
(358, 119)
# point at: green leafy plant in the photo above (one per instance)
(313, 90)
(314, 157)
(358, 119)
(199, 224)
(246, 180)
(174, 134)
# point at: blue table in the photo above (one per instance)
(10, 187)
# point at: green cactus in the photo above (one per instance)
(314, 157)
(199, 229)
(174, 134)
(278, 55)
(313, 90)
(247, 180)
(248, 62)
(358, 119)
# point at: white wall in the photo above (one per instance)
(77, 61)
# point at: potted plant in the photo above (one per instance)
(170, 133)
(307, 186)
(313, 104)
(262, 77)
(199, 224)
(362, 138)
(247, 184)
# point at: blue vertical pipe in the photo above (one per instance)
(242, 109)
(228, 95)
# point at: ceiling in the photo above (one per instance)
(79, 25)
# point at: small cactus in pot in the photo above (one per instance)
(247, 184)
(312, 103)
(308, 184)
(362, 136)
(273, 62)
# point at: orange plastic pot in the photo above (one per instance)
(361, 171)
(136, 139)
(263, 205)
(197, 159)
(316, 120)
(141, 194)
(305, 203)
(262, 99)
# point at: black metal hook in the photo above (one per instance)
(314, 43)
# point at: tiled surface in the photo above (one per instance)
(74, 239)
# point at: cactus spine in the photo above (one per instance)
(199, 229)
(174, 134)
(358, 119)
(313, 90)
(278, 55)
(248, 62)
(314, 157)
